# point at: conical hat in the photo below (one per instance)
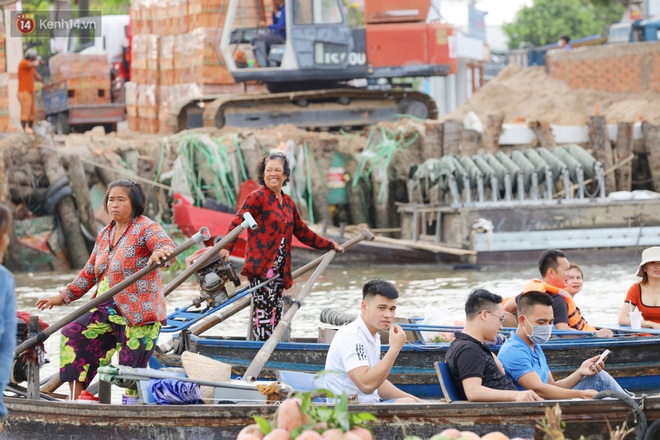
(197, 366)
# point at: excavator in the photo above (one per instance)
(338, 66)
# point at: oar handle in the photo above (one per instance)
(248, 222)
(199, 237)
(365, 234)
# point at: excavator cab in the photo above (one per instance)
(318, 48)
(326, 69)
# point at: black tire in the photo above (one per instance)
(414, 107)
(62, 123)
(109, 128)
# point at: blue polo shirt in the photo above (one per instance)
(519, 359)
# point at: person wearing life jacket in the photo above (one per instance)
(554, 268)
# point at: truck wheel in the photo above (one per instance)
(62, 123)
(109, 128)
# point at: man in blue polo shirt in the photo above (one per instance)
(525, 363)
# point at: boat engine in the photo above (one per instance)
(217, 282)
(19, 369)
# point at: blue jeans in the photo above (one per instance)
(601, 381)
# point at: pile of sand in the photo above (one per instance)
(528, 94)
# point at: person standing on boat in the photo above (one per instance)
(353, 362)
(645, 294)
(7, 309)
(268, 249)
(554, 268)
(525, 363)
(131, 320)
(476, 371)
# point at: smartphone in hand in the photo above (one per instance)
(602, 356)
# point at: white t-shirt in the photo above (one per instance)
(353, 346)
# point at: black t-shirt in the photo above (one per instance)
(559, 308)
(467, 358)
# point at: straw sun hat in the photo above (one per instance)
(649, 255)
(202, 367)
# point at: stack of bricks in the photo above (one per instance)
(621, 68)
(87, 77)
(5, 124)
(130, 94)
(3, 50)
(175, 51)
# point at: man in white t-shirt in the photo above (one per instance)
(353, 364)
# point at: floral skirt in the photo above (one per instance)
(267, 300)
(91, 340)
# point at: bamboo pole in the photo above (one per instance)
(267, 349)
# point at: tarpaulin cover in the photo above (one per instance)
(175, 392)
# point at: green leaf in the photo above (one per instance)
(342, 405)
(264, 424)
(343, 421)
(306, 401)
(364, 417)
(324, 413)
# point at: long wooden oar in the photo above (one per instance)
(267, 349)
(218, 317)
(199, 237)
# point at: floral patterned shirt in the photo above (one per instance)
(273, 222)
(142, 302)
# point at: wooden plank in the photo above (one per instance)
(627, 329)
(426, 246)
(624, 149)
(652, 141)
(602, 148)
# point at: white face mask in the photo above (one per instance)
(540, 333)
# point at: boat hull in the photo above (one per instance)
(634, 361)
(42, 420)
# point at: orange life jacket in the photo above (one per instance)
(575, 319)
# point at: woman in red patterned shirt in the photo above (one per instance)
(268, 250)
(130, 320)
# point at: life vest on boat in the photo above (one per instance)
(575, 319)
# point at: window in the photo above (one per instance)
(317, 12)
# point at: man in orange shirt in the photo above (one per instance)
(27, 72)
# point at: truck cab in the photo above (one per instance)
(634, 31)
(79, 102)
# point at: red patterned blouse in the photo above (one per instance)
(142, 302)
(273, 222)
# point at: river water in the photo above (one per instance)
(439, 289)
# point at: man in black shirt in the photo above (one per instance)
(476, 371)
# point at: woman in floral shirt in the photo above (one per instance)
(268, 247)
(130, 321)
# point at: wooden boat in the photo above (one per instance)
(44, 420)
(190, 218)
(634, 361)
